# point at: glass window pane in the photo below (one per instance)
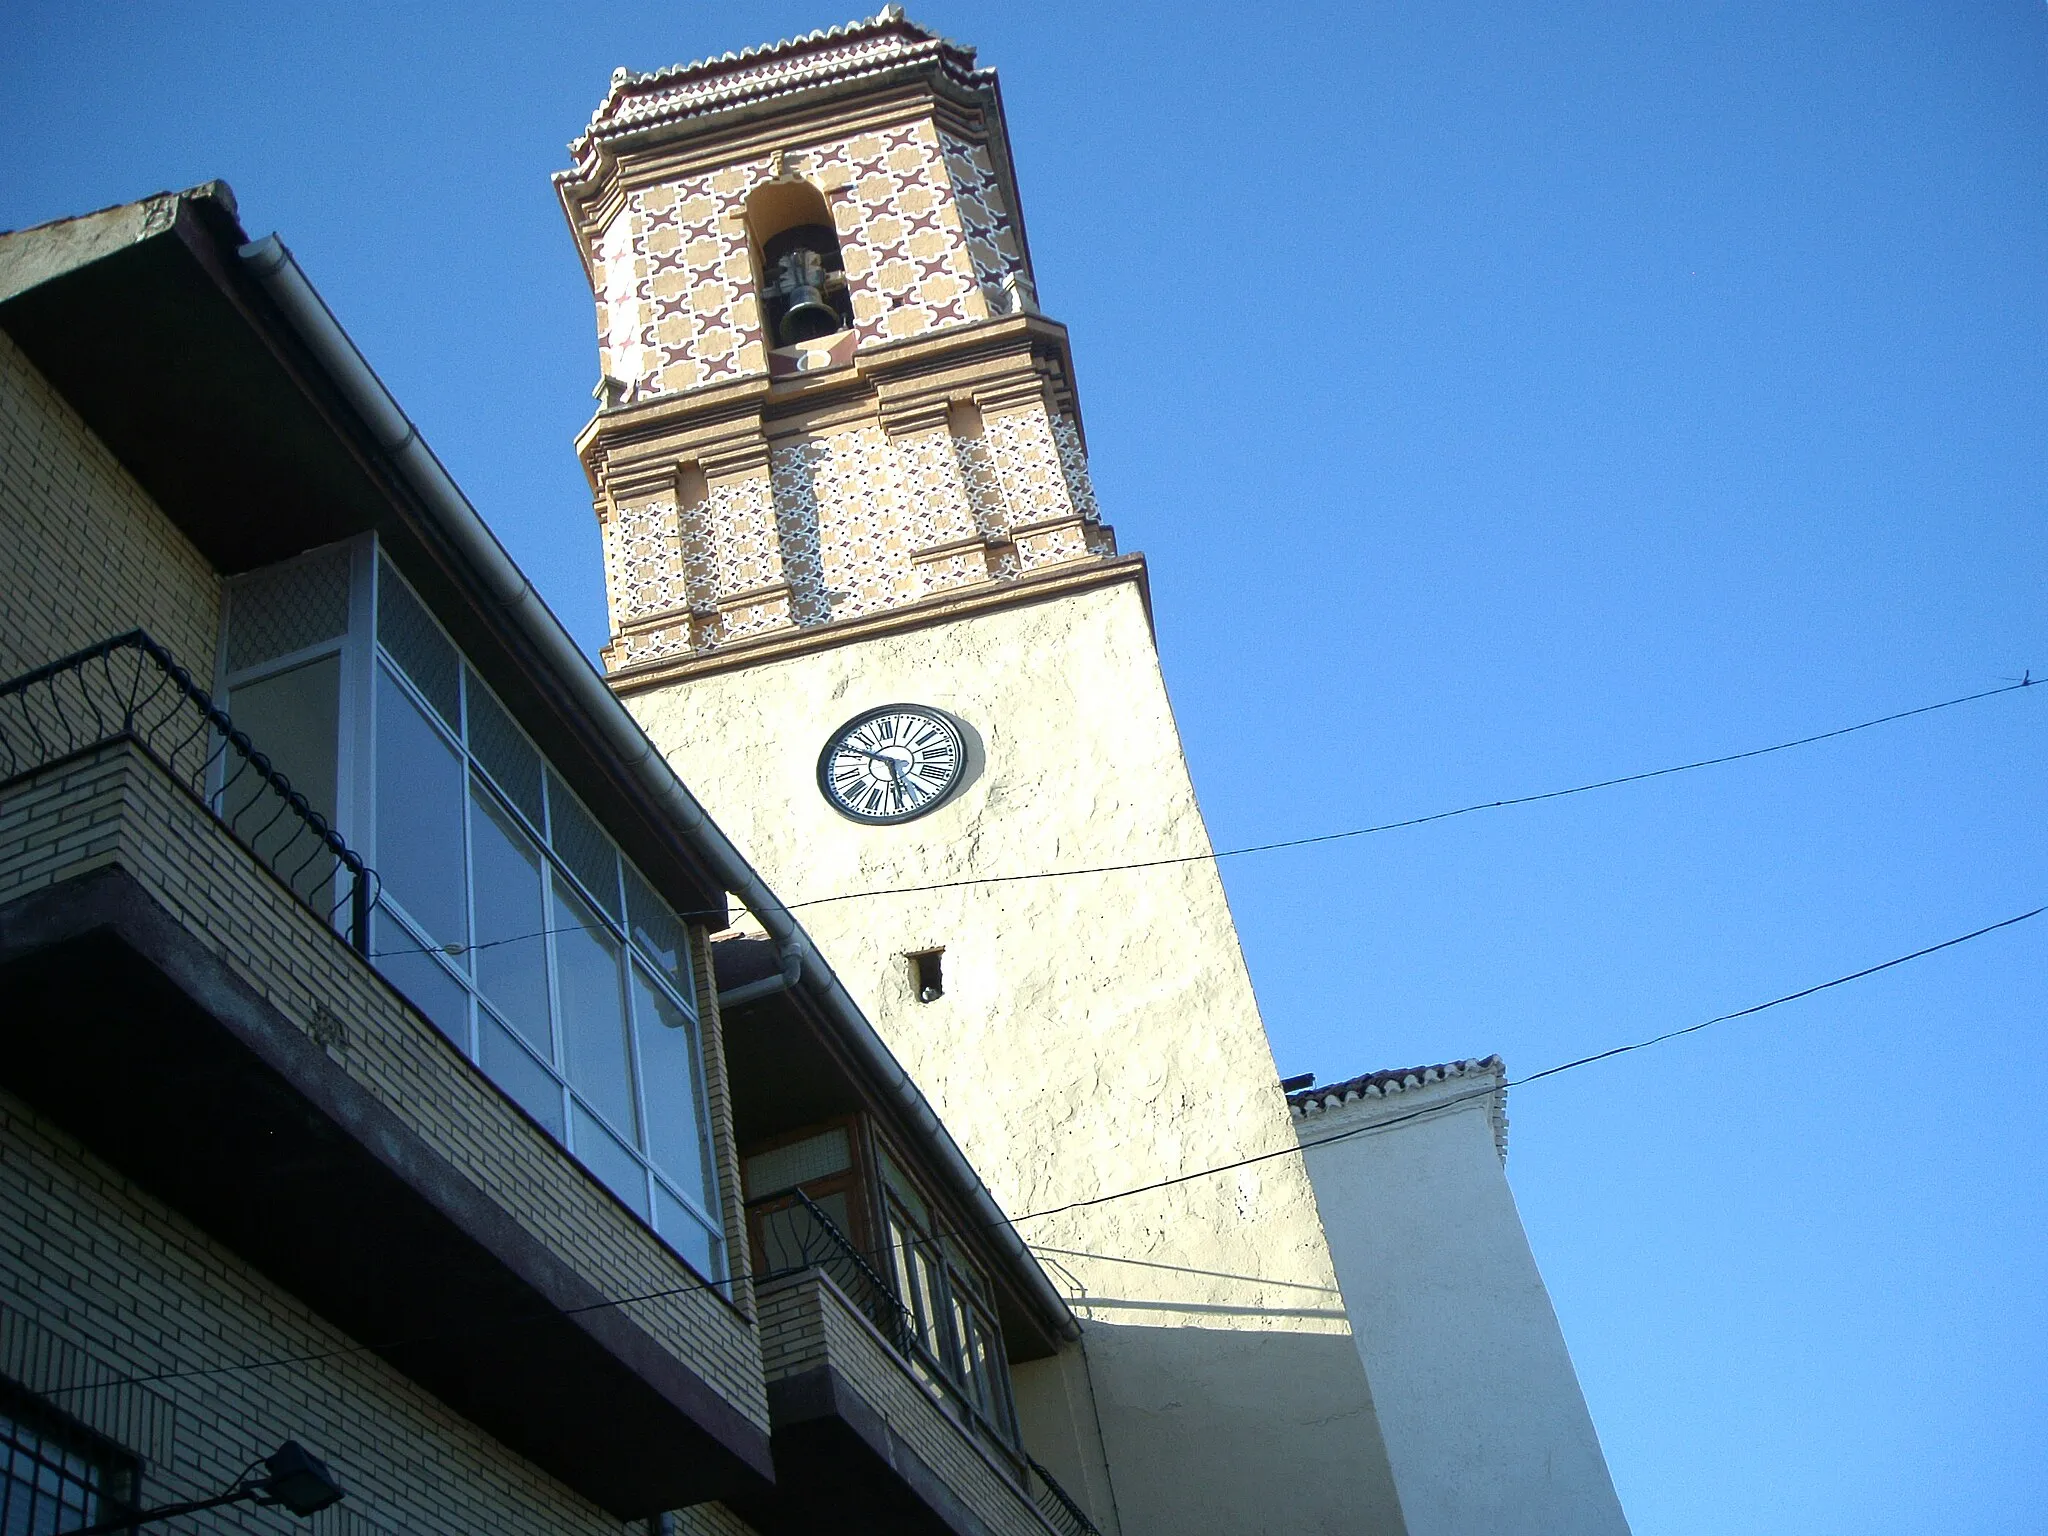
(421, 977)
(293, 718)
(905, 1191)
(604, 1155)
(591, 992)
(419, 816)
(670, 1089)
(287, 607)
(583, 846)
(418, 646)
(512, 764)
(511, 1066)
(794, 1163)
(658, 933)
(682, 1231)
(511, 948)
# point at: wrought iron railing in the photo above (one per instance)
(130, 688)
(1060, 1511)
(813, 1240)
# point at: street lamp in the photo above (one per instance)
(296, 1480)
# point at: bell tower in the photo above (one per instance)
(848, 530)
(828, 393)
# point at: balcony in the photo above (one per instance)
(869, 1433)
(179, 990)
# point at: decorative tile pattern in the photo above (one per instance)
(846, 524)
(993, 243)
(677, 298)
(1027, 462)
(621, 313)
(643, 566)
(907, 266)
(1066, 433)
(847, 495)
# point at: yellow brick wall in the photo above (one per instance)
(84, 552)
(710, 1520)
(115, 807)
(136, 1290)
(805, 1323)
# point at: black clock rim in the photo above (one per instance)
(939, 718)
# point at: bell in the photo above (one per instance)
(807, 317)
(806, 282)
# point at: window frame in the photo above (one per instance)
(986, 1398)
(118, 1489)
(365, 663)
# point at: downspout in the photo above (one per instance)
(792, 972)
(274, 268)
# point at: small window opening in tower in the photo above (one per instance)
(927, 977)
(803, 275)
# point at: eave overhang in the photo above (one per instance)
(147, 320)
(790, 1067)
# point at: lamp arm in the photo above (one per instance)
(151, 1516)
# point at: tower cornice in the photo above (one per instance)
(1040, 586)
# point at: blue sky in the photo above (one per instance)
(1505, 396)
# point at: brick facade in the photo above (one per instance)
(135, 1290)
(84, 552)
(96, 1271)
(115, 807)
(807, 1324)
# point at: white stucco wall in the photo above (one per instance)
(1484, 1423)
(1097, 1033)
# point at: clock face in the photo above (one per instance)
(892, 763)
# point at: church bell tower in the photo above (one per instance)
(829, 395)
(862, 597)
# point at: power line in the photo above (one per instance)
(557, 1313)
(2028, 681)
(1583, 1061)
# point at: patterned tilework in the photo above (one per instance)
(852, 522)
(643, 572)
(907, 263)
(993, 241)
(677, 301)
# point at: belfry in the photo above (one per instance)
(829, 393)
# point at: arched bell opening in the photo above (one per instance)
(796, 251)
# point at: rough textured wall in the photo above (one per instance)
(84, 552)
(1477, 1398)
(1097, 1033)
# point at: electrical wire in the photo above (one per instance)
(554, 1314)
(1534, 1077)
(2027, 681)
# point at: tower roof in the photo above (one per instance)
(886, 43)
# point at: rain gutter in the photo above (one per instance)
(274, 268)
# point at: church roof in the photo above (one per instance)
(874, 45)
(1307, 1103)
